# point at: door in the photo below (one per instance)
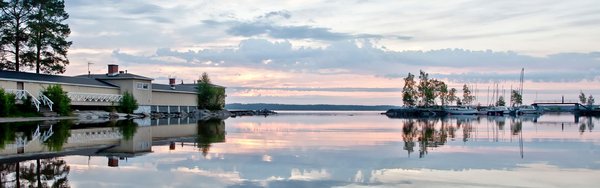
(20, 86)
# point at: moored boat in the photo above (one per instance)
(460, 110)
(498, 111)
(526, 109)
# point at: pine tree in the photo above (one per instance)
(48, 34)
(15, 16)
(582, 97)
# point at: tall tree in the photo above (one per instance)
(467, 97)
(582, 97)
(204, 78)
(409, 94)
(516, 98)
(426, 89)
(3, 61)
(452, 96)
(590, 100)
(15, 15)
(48, 36)
(443, 92)
(501, 101)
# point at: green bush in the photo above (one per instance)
(127, 104)
(7, 103)
(62, 103)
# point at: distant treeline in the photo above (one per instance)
(320, 107)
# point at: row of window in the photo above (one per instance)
(141, 85)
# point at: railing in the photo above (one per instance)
(46, 101)
(556, 101)
(93, 97)
(22, 141)
(23, 94)
(91, 135)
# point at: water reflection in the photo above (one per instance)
(304, 150)
(210, 131)
(589, 124)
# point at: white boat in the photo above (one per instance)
(526, 109)
(483, 110)
(460, 110)
(498, 111)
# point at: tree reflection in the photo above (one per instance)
(210, 131)
(39, 173)
(10, 131)
(61, 132)
(7, 135)
(409, 132)
(589, 124)
(127, 128)
(432, 133)
(516, 127)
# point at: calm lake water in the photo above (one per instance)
(305, 149)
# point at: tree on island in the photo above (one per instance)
(582, 97)
(409, 94)
(452, 96)
(515, 98)
(590, 101)
(501, 101)
(428, 90)
(443, 92)
(467, 97)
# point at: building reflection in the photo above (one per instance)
(115, 140)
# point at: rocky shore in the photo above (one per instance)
(198, 114)
(91, 116)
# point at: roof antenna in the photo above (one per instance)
(89, 72)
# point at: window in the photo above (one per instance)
(141, 85)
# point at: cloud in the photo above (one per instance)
(287, 32)
(331, 89)
(266, 25)
(282, 13)
(363, 57)
(549, 76)
(262, 28)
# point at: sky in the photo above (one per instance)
(344, 52)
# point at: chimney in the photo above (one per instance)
(113, 69)
(172, 83)
(113, 161)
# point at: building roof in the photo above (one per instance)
(179, 87)
(12, 75)
(195, 85)
(120, 76)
